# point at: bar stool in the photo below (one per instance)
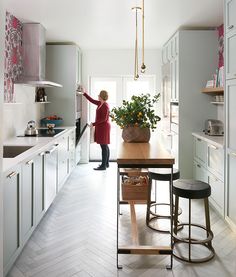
(192, 189)
(159, 174)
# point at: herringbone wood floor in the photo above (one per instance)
(77, 236)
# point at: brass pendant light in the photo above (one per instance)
(143, 66)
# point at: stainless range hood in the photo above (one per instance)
(34, 57)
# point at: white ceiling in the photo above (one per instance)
(109, 24)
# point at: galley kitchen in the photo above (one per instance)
(164, 204)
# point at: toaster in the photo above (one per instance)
(214, 127)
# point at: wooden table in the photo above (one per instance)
(143, 155)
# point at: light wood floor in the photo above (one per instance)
(77, 236)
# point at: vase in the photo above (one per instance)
(136, 134)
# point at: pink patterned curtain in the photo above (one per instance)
(13, 55)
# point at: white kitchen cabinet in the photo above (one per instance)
(63, 64)
(39, 187)
(208, 166)
(71, 149)
(50, 175)
(11, 216)
(231, 189)
(231, 114)
(62, 160)
(230, 18)
(27, 199)
(194, 58)
(230, 64)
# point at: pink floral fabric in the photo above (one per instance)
(13, 66)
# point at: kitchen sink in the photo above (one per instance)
(11, 151)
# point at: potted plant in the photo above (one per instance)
(136, 117)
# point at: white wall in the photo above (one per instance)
(16, 116)
(2, 44)
(99, 63)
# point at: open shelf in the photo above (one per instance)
(45, 102)
(217, 103)
(213, 91)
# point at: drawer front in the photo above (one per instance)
(200, 150)
(199, 172)
(215, 161)
(217, 192)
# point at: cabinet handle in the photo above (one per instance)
(52, 150)
(41, 154)
(233, 154)
(230, 27)
(199, 139)
(213, 146)
(198, 165)
(12, 174)
(30, 162)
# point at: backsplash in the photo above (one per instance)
(17, 115)
(13, 55)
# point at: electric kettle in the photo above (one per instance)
(31, 129)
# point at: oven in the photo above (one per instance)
(77, 129)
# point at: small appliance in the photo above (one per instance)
(31, 129)
(214, 127)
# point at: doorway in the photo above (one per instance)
(119, 89)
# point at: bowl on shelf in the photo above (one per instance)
(56, 122)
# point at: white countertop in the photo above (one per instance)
(215, 140)
(38, 144)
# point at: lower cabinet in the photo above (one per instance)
(50, 175)
(208, 166)
(231, 177)
(29, 189)
(27, 199)
(11, 216)
(39, 195)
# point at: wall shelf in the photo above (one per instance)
(45, 102)
(217, 103)
(13, 103)
(213, 91)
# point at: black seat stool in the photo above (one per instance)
(159, 174)
(192, 189)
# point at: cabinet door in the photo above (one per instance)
(199, 172)
(173, 79)
(27, 199)
(217, 192)
(231, 114)
(11, 216)
(71, 151)
(39, 187)
(50, 175)
(200, 151)
(230, 18)
(62, 160)
(231, 207)
(215, 161)
(231, 55)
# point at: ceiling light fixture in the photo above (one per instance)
(143, 66)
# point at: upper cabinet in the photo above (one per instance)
(230, 18)
(63, 64)
(230, 39)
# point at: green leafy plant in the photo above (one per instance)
(139, 111)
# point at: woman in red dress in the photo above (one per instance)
(102, 126)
